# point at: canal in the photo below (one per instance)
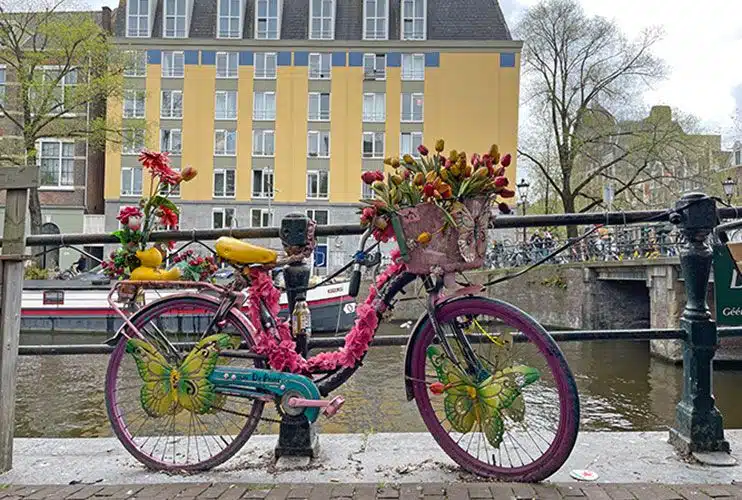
(621, 389)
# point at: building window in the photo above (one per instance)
(137, 18)
(319, 106)
(222, 218)
(322, 20)
(133, 142)
(226, 105)
(136, 63)
(264, 106)
(321, 218)
(375, 25)
(318, 144)
(412, 107)
(61, 94)
(320, 66)
(230, 15)
(2, 85)
(265, 65)
(131, 181)
(318, 184)
(738, 158)
(374, 107)
(366, 192)
(373, 144)
(170, 141)
(56, 160)
(226, 64)
(413, 66)
(261, 217)
(173, 64)
(175, 19)
(225, 142)
(224, 182)
(171, 105)
(413, 19)
(262, 183)
(409, 142)
(374, 66)
(263, 143)
(267, 20)
(134, 104)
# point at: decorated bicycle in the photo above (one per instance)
(192, 375)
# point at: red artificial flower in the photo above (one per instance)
(505, 162)
(501, 181)
(475, 160)
(153, 160)
(168, 217)
(504, 208)
(507, 193)
(170, 245)
(429, 189)
(422, 150)
(169, 176)
(368, 177)
(127, 212)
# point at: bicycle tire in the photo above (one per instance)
(142, 316)
(569, 407)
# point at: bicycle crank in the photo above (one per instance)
(296, 394)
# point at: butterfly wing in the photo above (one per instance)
(460, 411)
(157, 395)
(446, 371)
(466, 226)
(195, 392)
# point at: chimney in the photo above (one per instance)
(106, 19)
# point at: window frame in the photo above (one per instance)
(263, 194)
(319, 174)
(171, 115)
(318, 134)
(170, 141)
(320, 115)
(136, 55)
(264, 75)
(139, 132)
(410, 75)
(376, 74)
(228, 55)
(60, 159)
(175, 16)
(267, 18)
(223, 211)
(138, 16)
(132, 192)
(3, 84)
(374, 118)
(376, 18)
(375, 155)
(224, 171)
(230, 16)
(227, 132)
(319, 56)
(738, 157)
(263, 212)
(322, 17)
(414, 153)
(263, 132)
(138, 93)
(171, 55)
(414, 18)
(227, 94)
(412, 113)
(264, 117)
(367, 193)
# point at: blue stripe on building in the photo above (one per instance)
(284, 58)
(246, 58)
(338, 58)
(507, 59)
(301, 58)
(393, 59)
(191, 56)
(154, 56)
(432, 60)
(208, 57)
(355, 59)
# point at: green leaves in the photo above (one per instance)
(160, 201)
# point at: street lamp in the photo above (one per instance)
(728, 186)
(523, 195)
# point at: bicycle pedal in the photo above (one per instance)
(335, 404)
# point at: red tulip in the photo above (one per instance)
(368, 177)
(505, 161)
(501, 181)
(422, 150)
(503, 207)
(437, 388)
(507, 193)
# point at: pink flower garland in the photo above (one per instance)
(279, 347)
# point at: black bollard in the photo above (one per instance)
(698, 428)
(296, 436)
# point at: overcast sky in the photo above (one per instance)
(702, 46)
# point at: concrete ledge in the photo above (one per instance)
(617, 457)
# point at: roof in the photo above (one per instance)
(462, 20)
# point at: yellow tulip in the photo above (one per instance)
(419, 179)
(408, 159)
(439, 145)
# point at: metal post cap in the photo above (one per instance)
(294, 229)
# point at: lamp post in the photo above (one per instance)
(729, 184)
(523, 195)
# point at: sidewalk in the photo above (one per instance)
(427, 491)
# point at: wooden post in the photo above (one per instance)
(16, 181)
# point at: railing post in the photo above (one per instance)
(296, 436)
(698, 428)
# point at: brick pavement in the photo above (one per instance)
(423, 491)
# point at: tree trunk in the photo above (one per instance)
(568, 200)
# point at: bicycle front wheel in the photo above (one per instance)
(516, 417)
(170, 437)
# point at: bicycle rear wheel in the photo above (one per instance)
(517, 418)
(180, 440)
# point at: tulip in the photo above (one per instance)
(429, 190)
(501, 181)
(404, 173)
(422, 150)
(424, 238)
(507, 193)
(368, 178)
(505, 162)
(481, 173)
(369, 213)
(475, 160)
(388, 160)
(499, 172)
(439, 145)
(397, 179)
(455, 170)
(380, 223)
(419, 179)
(379, 175)
(445, 191)
(494, 150)
(430, 177)
(379, 187)
(437, 388)
(408, 159)
(503, 207)
(188, 173)
(467, 171)
(395, 162)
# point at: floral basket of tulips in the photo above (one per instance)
(437, 207)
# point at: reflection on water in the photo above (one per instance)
(621, 388)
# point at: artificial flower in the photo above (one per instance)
(422, 150)
(189, 173)
(126, 212)
(507, 193)
(134, 223)
(501, 181)
(439, 145)
(168, 217)
(505, 161)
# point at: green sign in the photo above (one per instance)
(727, 288)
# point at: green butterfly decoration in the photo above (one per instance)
(484, 402)
(168, 389)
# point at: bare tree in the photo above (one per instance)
(60, 69)
(581, 73)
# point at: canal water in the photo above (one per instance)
(621, 389)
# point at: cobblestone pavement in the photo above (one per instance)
(427, 491)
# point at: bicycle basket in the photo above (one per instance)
(445, 246)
